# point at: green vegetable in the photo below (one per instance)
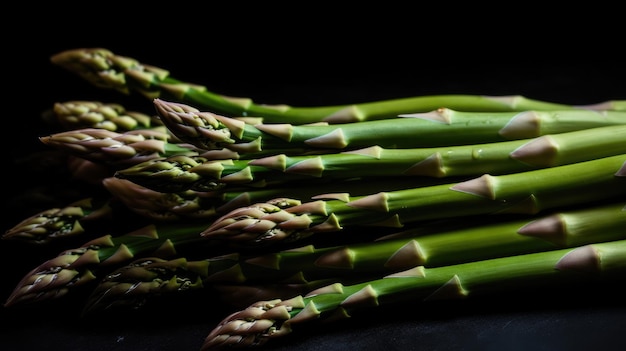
(132, 285)
(106, 70)
(182, 172)
(523, 192)
(443, 127)
(77, 267)
(268, 320)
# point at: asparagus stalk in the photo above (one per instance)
(73, 268)
(198, 173)
(104, 69)
(268, 320)
(170, 202)
(134, 284)
(442, 127)
(79, 114)
(524, 193)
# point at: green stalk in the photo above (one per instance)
(443, 127)
(522, 193)
(268, 320)
(79, 114)
(106, 70)
(132, 285)
(198, 173)
(560, 229)
(170, 202)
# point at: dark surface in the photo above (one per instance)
(264, 62)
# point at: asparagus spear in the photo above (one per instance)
(134, 284)
(267, 320)
(78, 114)
(106, 70)
(72, 268)
(117, 150)
(198, 173)
(167, 205)
(443, 127)
(523, 192)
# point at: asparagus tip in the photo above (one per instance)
(251, 327)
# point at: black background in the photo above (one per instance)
(306, 56)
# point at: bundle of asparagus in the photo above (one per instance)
(311, 214)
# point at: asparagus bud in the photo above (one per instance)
(54, 223)
(78, 114)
